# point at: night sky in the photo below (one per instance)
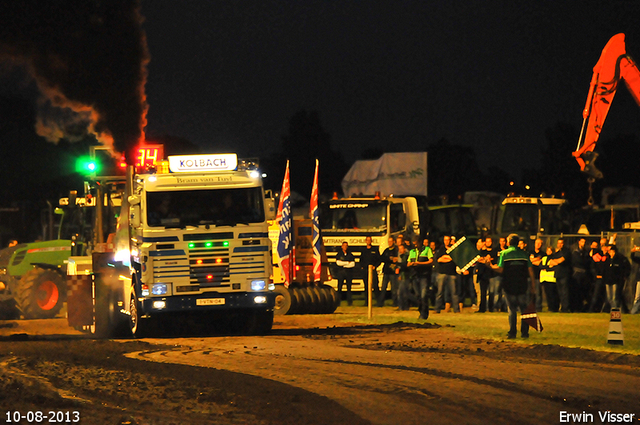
(393, 75)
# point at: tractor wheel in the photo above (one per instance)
(40, 293)
(325, 300)
(333, 294)
(308, 301)
(300, 304)
(316, 306)
(283, 300)
(295, 301)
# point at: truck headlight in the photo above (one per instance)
(260, 299)
(159, 305)
(159, 289)
(258, 285)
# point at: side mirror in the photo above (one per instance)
(269, 209)
(134, 215)
(133, 200)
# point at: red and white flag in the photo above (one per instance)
(315, 224)
(283, 218)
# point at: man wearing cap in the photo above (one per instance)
(518, 283)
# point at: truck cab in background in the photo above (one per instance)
(530, 216)
(351, 220)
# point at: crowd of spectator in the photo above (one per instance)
(421, 273)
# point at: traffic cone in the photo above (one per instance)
(616, 336)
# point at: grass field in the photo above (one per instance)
(577, 330)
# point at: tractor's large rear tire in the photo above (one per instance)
(40, 293)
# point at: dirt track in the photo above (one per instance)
(317, 370)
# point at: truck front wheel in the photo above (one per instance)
(140, 327)
(40, 293)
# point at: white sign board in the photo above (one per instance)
(401, 174)
(203, 163)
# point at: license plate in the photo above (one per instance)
(210, 301)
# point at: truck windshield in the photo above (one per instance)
(520, 217)
(219, 207)
(355, 217)
(454, 220)
(524, 218)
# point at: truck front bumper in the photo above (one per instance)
(209, 302)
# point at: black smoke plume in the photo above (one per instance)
(86, 56)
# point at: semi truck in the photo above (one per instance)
(191, 241)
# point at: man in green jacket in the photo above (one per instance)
(518, 283)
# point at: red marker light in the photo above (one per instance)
(218, 260)
(209, 276)
(198, 261)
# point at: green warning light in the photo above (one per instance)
(192, 245)
(208, 244)
(225, 243)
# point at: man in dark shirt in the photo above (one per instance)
(517, 282)
(345, 262)
(370, 257)
(389, 259)
(560, 264)
(599, 260)
(447, 275)
(579, 289)
(481, 274)
(536, 258)
(615, 275)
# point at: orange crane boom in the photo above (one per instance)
(614, 65)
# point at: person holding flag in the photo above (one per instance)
(283, 218)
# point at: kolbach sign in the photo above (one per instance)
(200, 163)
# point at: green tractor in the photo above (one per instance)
(33, 275)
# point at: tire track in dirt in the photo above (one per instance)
(453, 388)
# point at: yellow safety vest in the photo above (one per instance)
(547, 275)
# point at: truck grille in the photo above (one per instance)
(209, 269)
